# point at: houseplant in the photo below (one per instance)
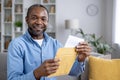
(95, 42)
(18, 25)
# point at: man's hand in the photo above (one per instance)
(83, 50)
(48, 67)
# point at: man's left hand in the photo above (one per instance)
(83, 50)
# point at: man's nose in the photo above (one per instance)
(39, 21)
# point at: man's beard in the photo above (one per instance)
(34, 33)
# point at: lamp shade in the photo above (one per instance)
(72, 24)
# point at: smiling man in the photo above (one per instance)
(31, 56)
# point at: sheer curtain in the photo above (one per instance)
(116, 28)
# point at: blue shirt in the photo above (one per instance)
(25, 55)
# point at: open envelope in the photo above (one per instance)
(67, 58)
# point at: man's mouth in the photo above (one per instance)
(38, 28)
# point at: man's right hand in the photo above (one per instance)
(47, 67)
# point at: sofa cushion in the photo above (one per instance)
(116, 51)
(104, 69)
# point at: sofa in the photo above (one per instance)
(84, 76)
(3, 66)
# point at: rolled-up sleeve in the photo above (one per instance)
(77, 68)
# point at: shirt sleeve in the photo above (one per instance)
(77, 68)
(15, 64)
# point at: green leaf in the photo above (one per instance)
(18, 24)
(95, 42)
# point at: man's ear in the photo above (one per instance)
(26, 18)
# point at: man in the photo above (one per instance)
(31, 56)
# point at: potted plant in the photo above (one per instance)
(96, 43)
(18, 25)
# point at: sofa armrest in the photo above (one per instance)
(3, 66)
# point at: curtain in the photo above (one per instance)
(116, 28)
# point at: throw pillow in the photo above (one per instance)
(104, 69)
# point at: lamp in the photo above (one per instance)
(72, 24)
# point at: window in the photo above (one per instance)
(117, 22)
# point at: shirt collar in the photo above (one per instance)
(46, 36)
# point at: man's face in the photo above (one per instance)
(37, 21)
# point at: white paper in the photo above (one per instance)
(73, 41)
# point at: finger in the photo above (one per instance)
(83, 49)
(82, 46)
(52, 68)
(52, 60)
(83, 43)
(51, 72)
(87, 53)
(51, 63)
(56, 60)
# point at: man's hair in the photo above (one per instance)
(36, 5)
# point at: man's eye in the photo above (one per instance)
(33, 18)
(44, 19)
